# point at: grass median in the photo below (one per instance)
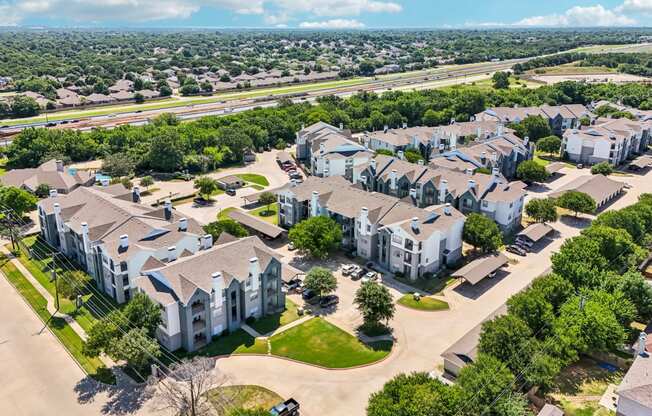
(423, 304)
(59, 327)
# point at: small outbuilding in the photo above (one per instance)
(230, 182)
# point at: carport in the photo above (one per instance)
(289, 273)
(641, 163)
(480, 268)
(602, 189)
(555, 167)
(533, 233)
(256, 225)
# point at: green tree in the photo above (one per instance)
(533, 308)
(624, 219)
(23, 106)
(226, 225)
(239, 411)
(375, 303)
(500, 80)
(635, 289)
(165, 91)
(555, 289)
(577, 202)
(413, 156)
(385, 152)
(267, 199)
(481, 383)
(18, 200)
(602, 168)
(321, 281)
(530, 171)
(549, 144)
(580, 261)
(136, 347)
(206, 186)
(118, 165)
(42, 190)
(415, 394)
(126, 182)
(165, 153)
(146, 181)
(509, 339)
(534, 127)
(318, 236)
(542, 210)
(481, 232)
(139, 98)
(72, 283)
(144, 313)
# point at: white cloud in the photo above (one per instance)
(596, 15)
(336, 7)
(643, 7)
(9, 15)
(333, 24)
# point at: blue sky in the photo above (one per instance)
(336, 14)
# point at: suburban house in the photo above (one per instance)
(51, 173)
(491, 195)
(419, 138)
(635, 391)
(214, 291)
(114, 237)
(393, 233)
(330, 151)
(608, 140)
(502, 150)
(560, 117)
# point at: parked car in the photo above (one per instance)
(294, 284)
(310, 296)
(290, 407)
(230, 191)
(358, 273)
(328, 301)
(518, 250)
(347, 269)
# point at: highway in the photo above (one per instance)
(422, 79)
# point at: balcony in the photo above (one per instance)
(198, 325)
(197, 307)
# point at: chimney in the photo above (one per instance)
(124, 241)
(494, 156)
(452, 121)
(372, 163)
(499, 130)
(322, 147)
(642, 340)
(84, 229)
(447, 209)
(167, 205)
(526, 140)
(206, 242)
(172, 253)
(54, 193)
(483, 157)
(314, 204)
(341, 126)
(495, 172)
(183, 224)
(364, 219)
(443, 188)
(479, 132)
(218, 286)
(385, 128)
(293, 183)
(254, 272)
(57, 209)
(469, 171)
(413, 192)
(135, 194)
(420, 162)
(392, 179)
(415, 223)
(303, 126)
(471, 184)
(404, 125)
(59, 165)
(400, 155)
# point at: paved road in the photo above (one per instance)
(37, 375)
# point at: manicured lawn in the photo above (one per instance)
(224, 214)
(238, 342)
(542, 162)
(318, 342)
(226, 398)
(432, 285)
(59, 327)
(253, 178)
(424, 304)
(269, 323)
(270, 215)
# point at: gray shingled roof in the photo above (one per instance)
(480, 268)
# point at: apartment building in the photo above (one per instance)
(561, 118)
(397, 235)
(330, 151)
(419, 138)
(608, 140)
(114, 237)
(424, 186)
(499, 149)
(51, 173)
(215, 290)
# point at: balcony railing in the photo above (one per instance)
(197, 308)
(198, 325)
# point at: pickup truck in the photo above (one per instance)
(290, 407)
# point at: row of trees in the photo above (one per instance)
(165, 145)
(585, 305)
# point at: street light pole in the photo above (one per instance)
(56, 286)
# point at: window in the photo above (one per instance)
(485, 204)
(409, 244)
